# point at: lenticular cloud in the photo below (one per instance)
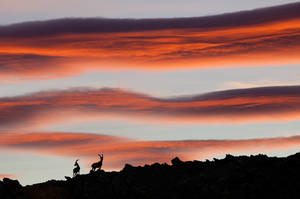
(67, 47)
(229, 106)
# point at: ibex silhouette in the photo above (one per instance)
(76, 170)
(98, 164)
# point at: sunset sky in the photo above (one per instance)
(145, 81)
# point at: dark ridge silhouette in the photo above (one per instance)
(239, 177)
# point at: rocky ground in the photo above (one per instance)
(232, 177)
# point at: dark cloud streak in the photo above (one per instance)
(98, 25)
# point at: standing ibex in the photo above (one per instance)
(98, 164)
(76, 170)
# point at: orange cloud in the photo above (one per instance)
(119, 151)
(66, 47)
(7, 176)
(48, 139)
(229, 106)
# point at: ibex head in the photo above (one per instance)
(76, 162)
(101, 156)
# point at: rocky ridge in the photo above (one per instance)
(256, 176)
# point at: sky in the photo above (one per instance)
(145, 81)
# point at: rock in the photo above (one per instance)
(127, 167)
(10, 189)
(176, 162)
(68, 178)
(9, 183)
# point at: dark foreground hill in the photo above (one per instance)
(233, 177)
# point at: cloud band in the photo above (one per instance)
(65, 47)
(230, 106)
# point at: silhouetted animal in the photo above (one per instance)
(76, 170)
(98, 164)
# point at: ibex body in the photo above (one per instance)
(98, 165)
(76, 170)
